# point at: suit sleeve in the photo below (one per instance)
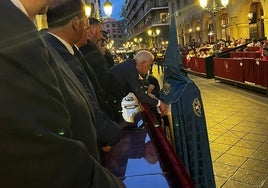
(134, 84)
(107, 130)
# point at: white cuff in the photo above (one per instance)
(158, 104)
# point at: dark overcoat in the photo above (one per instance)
(108, 132)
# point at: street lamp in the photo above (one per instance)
(138, 40)
(128, 46)
(154, 34)
(198, 31)
(89, 9)
(108, 8)
(250, 17)
(164, 44)
(190, 36)
(213, 9)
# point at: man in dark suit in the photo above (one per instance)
(100, 93)
(128, 75)
(63, 33)
(47, 132)
(97, 62)
(91, 52)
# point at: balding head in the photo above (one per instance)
(144, 55)
(144, 60)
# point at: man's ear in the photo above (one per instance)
(75, 23)
(93, 30)
(90, 30)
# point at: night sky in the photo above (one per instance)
(116, 8)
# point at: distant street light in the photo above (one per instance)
(198, 31)
(128, 46)
(190, 35)
(89, 9)
(164, 44)
(213, 9)
(154, 34)
(110, 44)
(108, 8)
(138, 40)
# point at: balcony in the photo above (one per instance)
(142, 7)
(151, 19)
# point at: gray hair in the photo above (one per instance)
(144, 55)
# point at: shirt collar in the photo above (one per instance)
(20, 6)
(66, 44)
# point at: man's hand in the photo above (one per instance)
(163, 108)
(106, 148)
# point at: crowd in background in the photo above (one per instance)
(201, 50)
(205, 50)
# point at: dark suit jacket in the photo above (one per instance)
(107, 130)
(127, 76)
(109, 58)
(47, 133)
(95, 59)
(92, 77)
(111, 90)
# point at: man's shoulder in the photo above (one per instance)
(52, 40)
(126, 67)
(128, 62)
(88, 47)
(56, 44)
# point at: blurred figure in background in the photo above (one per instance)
(264, 54)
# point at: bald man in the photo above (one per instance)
(129, 73)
